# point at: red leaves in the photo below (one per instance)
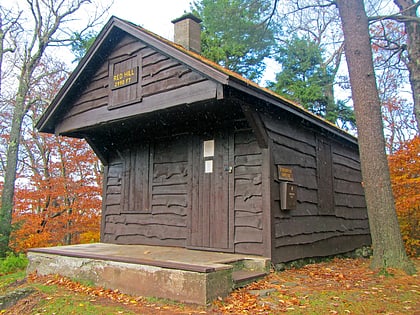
(60, 202)
(341, 286)
(404, 168)
(242, 302)
(102, 296)
(114, 295)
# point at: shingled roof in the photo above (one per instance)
(192, 60)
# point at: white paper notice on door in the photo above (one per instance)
(208, 166)
(208, 148)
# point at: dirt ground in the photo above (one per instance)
(340, 286)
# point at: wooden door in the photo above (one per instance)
(210, 214)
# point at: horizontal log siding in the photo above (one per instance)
(308, 231)
(163, 221)
(158, 74)
(248, 226)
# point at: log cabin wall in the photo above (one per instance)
(102, 100)
(248, 192)
(148, 193)
(148, 116)
(138, 210)
(331, 215)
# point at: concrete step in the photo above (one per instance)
(243, 277)
(250, 264)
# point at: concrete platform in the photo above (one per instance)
(180, 274)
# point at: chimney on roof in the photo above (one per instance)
(187, 32)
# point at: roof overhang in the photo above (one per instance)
(222, 77)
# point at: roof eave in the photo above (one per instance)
(42, 123)
(270, 97)
(211, 70)
(183, 55)
(162, 45)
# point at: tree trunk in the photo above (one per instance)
(388, 248)
(10, 172)
(409, 9)
(331, 111)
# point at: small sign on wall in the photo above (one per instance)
(208, 166)
(208, 154)
(285, 173)
(288, 196)
(288, 190)
(125, 78)
(208, 148)
(125, 82)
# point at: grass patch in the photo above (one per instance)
(162, 301)
(355, 302)
(10, 278)
(47, 289)
(340, 286)
(65, 302)
(13, 263)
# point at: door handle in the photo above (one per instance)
(229, 169)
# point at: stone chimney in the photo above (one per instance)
(187, 32)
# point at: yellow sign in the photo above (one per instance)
(124, 78)
(285, 173)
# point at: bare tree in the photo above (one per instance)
(316, 17)
(408, 11)
(48, 24)
(407, 16)
(386, 237)
(9, 28)
(387, 243)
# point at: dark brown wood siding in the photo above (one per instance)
(248, 226)
(158, 75)
(147, 115)
(147, 194)
(154, 209)
(331, 214)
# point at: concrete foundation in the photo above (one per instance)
(174, 273)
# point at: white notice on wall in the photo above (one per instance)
(208, 166)
(208, 148)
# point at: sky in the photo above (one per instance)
(154, 15)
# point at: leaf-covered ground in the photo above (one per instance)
(340, 286)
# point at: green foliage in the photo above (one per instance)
(13, 263)
(81, 43)
(6, 231)
(235, 34)
(307, 80)
(342, 115)
(302, 78)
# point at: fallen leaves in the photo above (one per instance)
(98, 294)
(340, 286)
(113, 295)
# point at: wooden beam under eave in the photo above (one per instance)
(99, 153)
(256, 124)
(268, 201)
(204, 90)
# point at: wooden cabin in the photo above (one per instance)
(196, 156)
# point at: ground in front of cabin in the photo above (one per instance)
(339, 286)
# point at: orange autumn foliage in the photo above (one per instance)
(405, 177)
(59, 202)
